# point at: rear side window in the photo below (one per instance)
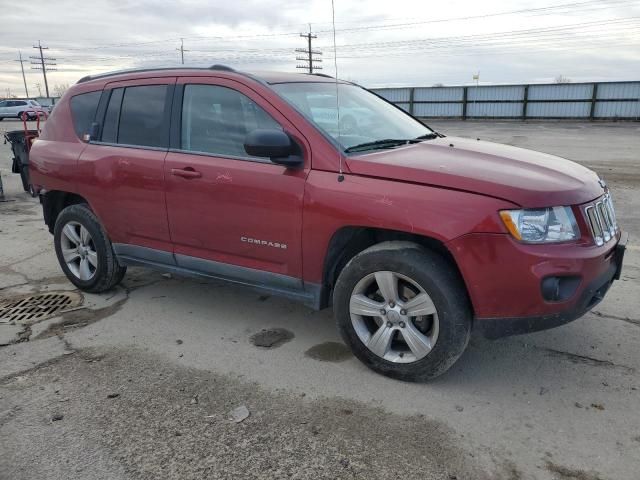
(142, 117)
(110, 125)
(83, 111)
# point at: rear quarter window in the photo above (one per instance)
(83, 111)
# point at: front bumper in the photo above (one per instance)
(504, 281)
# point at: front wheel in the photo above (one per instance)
(84, 250)
(403, 310)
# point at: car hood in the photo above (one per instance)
(524, 177)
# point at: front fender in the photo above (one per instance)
(433, 212)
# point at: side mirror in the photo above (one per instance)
(275, 145)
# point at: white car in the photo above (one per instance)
(15, 108)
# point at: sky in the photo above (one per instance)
(378, 43)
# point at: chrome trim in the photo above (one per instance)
(602, 221)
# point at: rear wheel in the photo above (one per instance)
(84, 250)
(403, 311)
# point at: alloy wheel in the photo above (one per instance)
(79, 251)
(394, 317)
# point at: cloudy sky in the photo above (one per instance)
(379, 43)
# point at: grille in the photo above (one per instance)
(602, 220)
(37, 307)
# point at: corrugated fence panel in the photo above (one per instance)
(559, 109)
(566, 91)
(439, 94)
(619, 90)
(494, 109)
(617, 109)
(515, 92)
(619, 100)
(437, 109)
(395, 94)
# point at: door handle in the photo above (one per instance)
(185, 172)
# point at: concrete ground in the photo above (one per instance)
(142, 382)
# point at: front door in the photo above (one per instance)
(230, 213)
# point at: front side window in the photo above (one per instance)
(142, 117)
(216, 120)
(83, 111)
(364, 117)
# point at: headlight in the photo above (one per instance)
(541, 225)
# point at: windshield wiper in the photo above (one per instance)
(429, 136)
(380, 144)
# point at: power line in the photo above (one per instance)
(550, 10)
(511, 34)
(310, 54)
(24, 79)
(43, 64)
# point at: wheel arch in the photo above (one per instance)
(348, 241)
(53, 202)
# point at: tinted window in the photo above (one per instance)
(142, 117)
(20, 103)
(83, 111)
(3, 104)
(217, 120)
(110, 124)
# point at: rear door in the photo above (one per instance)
(225, 206)
(122, 172)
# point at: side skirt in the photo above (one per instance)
(265, 282)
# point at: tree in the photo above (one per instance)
(562, 79)
(59, 89)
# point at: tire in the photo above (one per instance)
(93, 267)
(442, 335)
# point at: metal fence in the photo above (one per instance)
(590, 101)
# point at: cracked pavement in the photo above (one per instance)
(139, 382)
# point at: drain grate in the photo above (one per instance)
(28, 309)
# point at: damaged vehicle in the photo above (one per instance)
(414, 238)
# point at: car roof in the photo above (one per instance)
(266, 77)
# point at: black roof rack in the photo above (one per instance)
(223, 68)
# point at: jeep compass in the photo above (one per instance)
(322, 192)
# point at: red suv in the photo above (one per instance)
(414, 238)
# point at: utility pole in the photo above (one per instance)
(43, 63)
(24, 79)
(182, 50)
(309, 58)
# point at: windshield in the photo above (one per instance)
(364, 118)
